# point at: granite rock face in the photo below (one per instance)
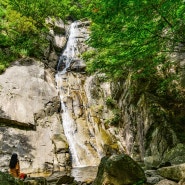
(30, 120)
(176, 172)
(25, 88)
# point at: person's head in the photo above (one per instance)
(13, 160)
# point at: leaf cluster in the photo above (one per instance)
(134, 35)
(23, 29)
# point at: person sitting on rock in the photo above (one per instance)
(14, 166)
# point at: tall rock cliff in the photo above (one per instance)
(151, 123)
(30, 118)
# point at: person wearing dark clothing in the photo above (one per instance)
(14, 166)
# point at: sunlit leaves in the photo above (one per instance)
(135, 34)
(23, 29)
(21, 24)
(181, 11)
(129, 35)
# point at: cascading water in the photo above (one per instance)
(82, 151)
(71, 51)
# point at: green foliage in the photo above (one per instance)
(116, 118)
(5, 59)
(2, 68)
(40, 10)
(19, 23)
(110, 102)
(134, 35)
(131, 35)
(23, 29)
(140, 182)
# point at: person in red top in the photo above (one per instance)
(14, 166)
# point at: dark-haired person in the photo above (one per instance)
(14, 166)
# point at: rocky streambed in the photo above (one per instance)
(113, 170)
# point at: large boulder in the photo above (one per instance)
(175, 155)
(166, 182)
(176, 172)
(57, 33)
(119, 170)
(25, 88)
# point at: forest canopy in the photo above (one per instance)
(127, 35)
(23, 29)
(135, 34)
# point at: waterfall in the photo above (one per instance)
(71, 51)
(81, 149)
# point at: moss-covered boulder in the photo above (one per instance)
(175, 155)
(119, 170)
(175, 172)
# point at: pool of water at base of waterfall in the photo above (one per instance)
(84, 174)
(81, 174)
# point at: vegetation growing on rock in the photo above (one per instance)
(23, 30)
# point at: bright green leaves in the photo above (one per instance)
(129, 35)
(181, 11)
(17, 32)
(23, 28)
(40, 10)
(138, 36)
(19, 23)
(135, 35)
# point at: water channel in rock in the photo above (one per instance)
(84, 160)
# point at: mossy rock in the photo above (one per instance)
(119, 170)
(175, 155)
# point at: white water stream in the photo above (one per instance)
(77, 137)
(71, 52)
